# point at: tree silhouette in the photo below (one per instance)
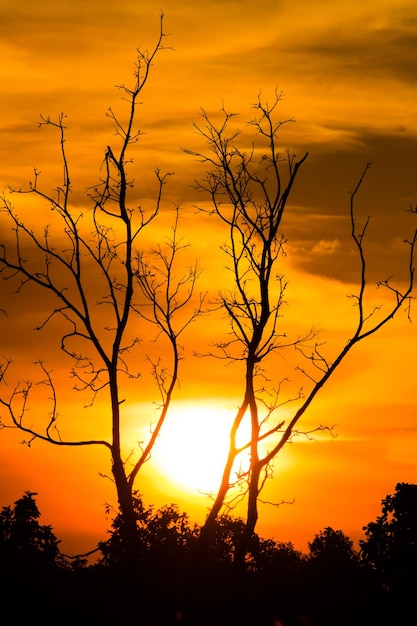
(330, 585)
(24, 542)
(30, 562)
(337, 590)
(390, 548)
(249, 190)
(106, 291)
(332, 549)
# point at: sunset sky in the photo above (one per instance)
(348, 72)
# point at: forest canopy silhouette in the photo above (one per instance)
(333, 583)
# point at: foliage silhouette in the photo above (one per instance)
(331, 585)
(335, 580)
(32, 570)
(24, 542)
(390, 548)
(332, 550)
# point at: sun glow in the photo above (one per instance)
(192, 448)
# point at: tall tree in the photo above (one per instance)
(249, 188)
(91, 262)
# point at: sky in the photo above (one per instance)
(348, 74)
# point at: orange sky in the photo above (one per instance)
(348, 71)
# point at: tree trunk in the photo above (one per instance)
(209, 525)
(124, 495)
(251, 517)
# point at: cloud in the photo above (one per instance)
(325, 247)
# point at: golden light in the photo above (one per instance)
(190, 453)
(188, 458)
(192, 448)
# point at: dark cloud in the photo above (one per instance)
(363, 53)
(318, 226)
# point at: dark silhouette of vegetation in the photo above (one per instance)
(334, 578)
(24, 542)
(105, 289)
(249, 182)
(31, 566)
(333, 584)
(142, 574)
(390, 549)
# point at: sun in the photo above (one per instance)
(191, 450)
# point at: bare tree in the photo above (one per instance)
(103, 284)
(249, 191)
